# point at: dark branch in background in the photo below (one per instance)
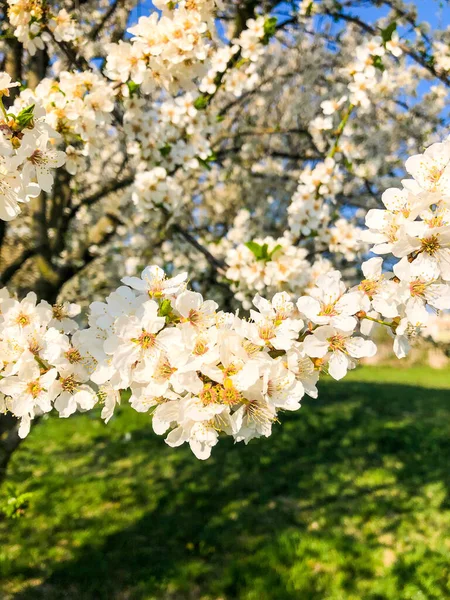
(75, 60)
(108, 14)
(17, 264)
(113, 186)
(9, 440)
(68, 272)
(2, 233)
(217, 264)
(262, 132)
(273, 153)
(13, 65)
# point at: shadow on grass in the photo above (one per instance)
(341, 502)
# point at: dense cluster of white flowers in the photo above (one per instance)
(168, 50)
(77, 106)
(343, 238)
(41, 366)
(414, 227)
(200, 371)
(156, 189)
(203, 372)
(308, 212)
(170, 134)
(268, 265)
(366, 69)
(33, 21)
(248, 47)
(441, 55)
(26, 152)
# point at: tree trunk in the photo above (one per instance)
(9, 441)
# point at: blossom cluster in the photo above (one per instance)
(415, 228)
(170, 134)
(367, 65)
(441, 56)
(32, 21)
(27, 155)
(268, 265)
(78, 106)
(200, 371)
(168, 50)
(156, 189)
(308, 211)
(344, 238)
(248, 47)
(41, 366)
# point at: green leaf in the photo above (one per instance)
(272, 252)
(204, 163)
(240, 62)
(270, 26)
(378, 63)
(25, 117)
(309, 9)
(386, 33)
(165, 308)
(256, 249)
(209, 159)
(201, 102)
(133, 87)
(260, 252)
(13, 504)
(218, 79)
(165, 150)
(348, 164)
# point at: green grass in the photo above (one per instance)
(349, 499)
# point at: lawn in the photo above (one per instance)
(349, 499)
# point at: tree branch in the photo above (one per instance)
(217, 264)
(16, 265)
(114, 186)
(108, 14)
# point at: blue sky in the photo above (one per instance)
(437, 13)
